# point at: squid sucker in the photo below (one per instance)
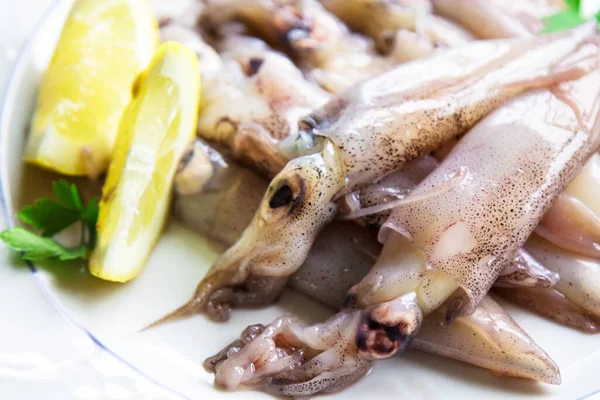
(378, 126)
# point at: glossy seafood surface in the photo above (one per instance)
(491, 212)
(452, 164)
(403, 114)
(491, 19)
(343, 254)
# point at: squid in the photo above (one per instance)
(491, 19)
(252, 99)
(518, 271)
(252, 96)
(343, 254)
(382, 19)
(573, 222)
(241, 50)
(218, 198)
(324, 47)
(210, 62)
(442, 249)
(575, 299)
(488, 338)
(184, 13)
(377, 127)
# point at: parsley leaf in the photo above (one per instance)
(67, 195)
(574, 4)
(35, 247)
(564, 20)
(50, 217)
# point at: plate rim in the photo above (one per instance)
(6, 107)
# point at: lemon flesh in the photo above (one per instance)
(103, 47)
(155, 130)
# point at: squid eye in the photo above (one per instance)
(254, 65)
(282, 197)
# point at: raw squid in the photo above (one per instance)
(211, 205)
(441, 248)
(491, 19)
(254, 102)
(378, 126)
(183, 13)
(576, 298)
(210, 63)
(325, 48)
(573, 222)
(488, 338)
(218, 198)
(343, 254)
(382, 19)
(551, 303)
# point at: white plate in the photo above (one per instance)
(171, 355)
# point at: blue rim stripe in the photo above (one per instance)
(5, 208)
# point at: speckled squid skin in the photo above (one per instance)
(491, 19)
(343, 252)
(341, 256)
(279, 237)
(517, 160)
(384, 122)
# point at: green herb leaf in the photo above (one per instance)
(90, 214)
(564, 20)
(573, 4)
(48, 216)
(35, 247)
(68, 195)
(51, 217)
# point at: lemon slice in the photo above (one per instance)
(102, 48)
(156, 128)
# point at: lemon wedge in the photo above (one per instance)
(102, 48)
(156, 128)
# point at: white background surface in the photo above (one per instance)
(41, 355)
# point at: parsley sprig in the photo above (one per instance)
(566, 19)
(50, 217)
